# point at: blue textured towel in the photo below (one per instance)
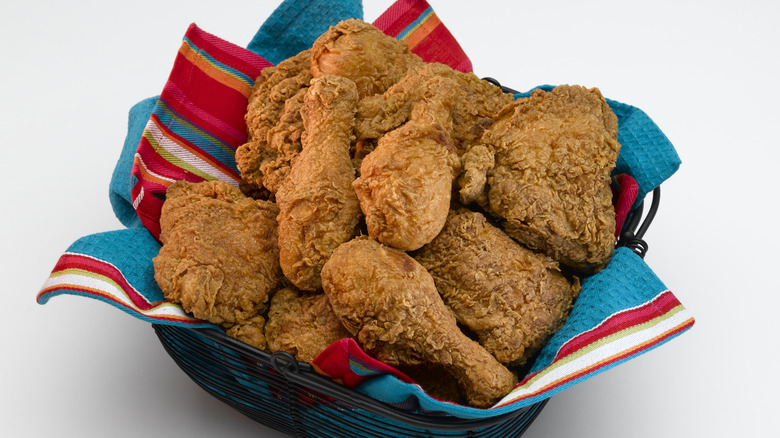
(295, 25)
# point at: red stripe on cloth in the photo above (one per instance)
(207, 91)
(437, 45)
(336, 362)
(637, 349)
(228, 53)
(99, 294)
(155, 172)
(440, 46)
(202, 155)
(659, 306)
(204, 97)
(99, 267)
(187, 109)
(625, 191)
(400, 15)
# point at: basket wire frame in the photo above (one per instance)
(289, 396)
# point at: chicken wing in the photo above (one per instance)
(389, 302)
(318, 208)
(405, 184)
(359, 51)
(550, 185)
(302, 324)
(274, 124)
(512, 298)
(219, 257)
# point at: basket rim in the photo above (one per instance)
(303, 374)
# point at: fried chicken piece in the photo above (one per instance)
(274, 124)
(512, 298)
(251, 331)
(405, 184)
(389, 302)
(318, 208)
(219, 257)
(302, 324)
(550, 185)
(359, 51)
(476, 103)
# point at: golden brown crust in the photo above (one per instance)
(390, 303)
(359, 51)
(250, 332)
(274, 124)
(405, 184)
(512, 298)
(318, 208)
(219, 257)
(550, 186)
(302, 324)
(476, 102)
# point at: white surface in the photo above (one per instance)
(705, 71)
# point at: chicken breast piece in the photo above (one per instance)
(550, 185)
(219, 257)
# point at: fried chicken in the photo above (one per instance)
(476, 103)
(219, 257)
(390, 303)
(302, 324)
(550, 185)
(318, 208)
(274, 124)
(359, 51)
(251, 331)
(405, 184)
(512, 298)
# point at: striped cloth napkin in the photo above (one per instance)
(192, 129)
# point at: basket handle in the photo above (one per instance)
(632, 237)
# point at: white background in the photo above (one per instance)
(706, 72)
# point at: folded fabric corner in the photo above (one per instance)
(295, 24)
(197, 123)
(116, 267)
(416, 23)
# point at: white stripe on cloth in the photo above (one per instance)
(186, 156)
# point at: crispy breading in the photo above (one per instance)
(302, 324)
(405, 184)
(219, 255)
(512, 298)
(389, 302)
(274, 124)
(318, 208)
(359, 51)
(476, 102)
(550, 185)
(251, 331)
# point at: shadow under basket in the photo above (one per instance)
(289, 396)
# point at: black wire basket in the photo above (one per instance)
(276, 390)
